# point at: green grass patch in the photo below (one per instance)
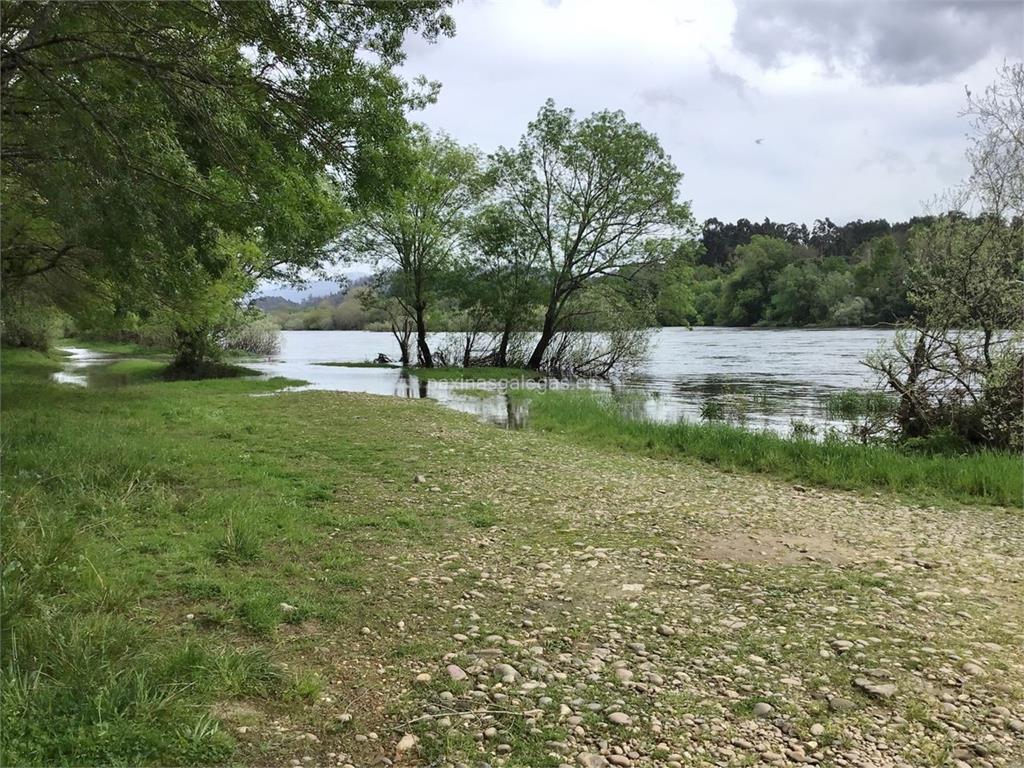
(983, 477)
(159, 538)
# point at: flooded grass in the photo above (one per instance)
(364, 364)
(481, 373)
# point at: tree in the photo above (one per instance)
(881, 278)
(142, 138)
(675, 299)
(959, 366)
(746, 292)
(502, 275)
(413, 231)
(593, 194)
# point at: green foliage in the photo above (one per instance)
(598, 197)
(25, 324)
(851, 403)
(746, 292)
(412, 229)
(158, 158)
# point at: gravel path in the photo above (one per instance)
(610, 609)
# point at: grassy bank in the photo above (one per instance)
(210, 573)
(983, 477)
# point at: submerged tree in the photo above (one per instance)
(502, 276)
(143, 141)
(413, 229)
(592, 194)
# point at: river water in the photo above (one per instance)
(763, 379)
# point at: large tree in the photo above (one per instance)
(142, 141)
(594, 194)
(413, 231)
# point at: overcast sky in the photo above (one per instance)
(790, 109)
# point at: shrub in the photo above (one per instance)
(35, 327)
(259, 336)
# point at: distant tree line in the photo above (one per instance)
(741, 274)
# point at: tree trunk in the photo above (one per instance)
(546, 334)
(423, 349)
(402, 337)
(502, 358)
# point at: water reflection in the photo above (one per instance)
(76, 361)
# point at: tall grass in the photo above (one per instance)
(982, 477)
(86, 676)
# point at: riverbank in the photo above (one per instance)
(196, 575)
(983, 477)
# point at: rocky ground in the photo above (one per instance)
(608, 609)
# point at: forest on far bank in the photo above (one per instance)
(734, 274)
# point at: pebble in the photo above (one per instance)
(455, 672)
(406, 743)
(620, 718)
(763, 709)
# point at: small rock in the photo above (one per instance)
(455, 672)
(506, 673)
(620, 718)
(882, 690)
(763, 709)
(407, 742)
(423, 677)
(591, 760)
(817, 729)
(665, 630)
(286, 608)
(972, 669)
(419, 479)
(838, 704)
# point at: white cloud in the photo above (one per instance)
(837, 143)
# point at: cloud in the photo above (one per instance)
(899, 41)
(654, 97)
(728, 80)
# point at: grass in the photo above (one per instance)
(196, 575)
(153, 532)
(481, 373)
(983, 477)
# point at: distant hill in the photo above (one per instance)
(274, 304)
(301, 293)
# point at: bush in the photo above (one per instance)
(35, 327)
(259, 336)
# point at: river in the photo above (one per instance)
(764, 379)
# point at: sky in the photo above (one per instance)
(791, 109)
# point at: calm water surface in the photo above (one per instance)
(763, 378)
